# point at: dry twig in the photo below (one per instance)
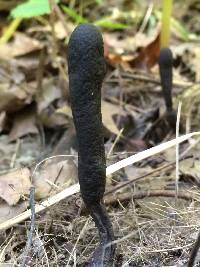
(142, 194)
(32, 229)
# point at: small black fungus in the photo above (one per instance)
(166, 75)
(86, 68)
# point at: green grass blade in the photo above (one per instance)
(105, 23)
(74, 15)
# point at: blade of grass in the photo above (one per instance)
(108, 24)
(177, 146)
(10, 30)
(74, 15)
(178, 29)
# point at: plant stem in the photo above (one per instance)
(166, 15)
(9, 32)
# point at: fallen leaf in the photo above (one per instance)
(65, 143)
(47, 94)
(108, 111)
(7, 212)
(147, 56)
(2, 121)
(134, 172)
(140, 51)
(10, 72)
(15, 92)
(15, 184)
(50, 119)
(21, 45)
(189, 172)
(54, 177)
(14, 97)
(65, 110)
(60, 30)
(194, 63)
(47, 113)
(24, 123)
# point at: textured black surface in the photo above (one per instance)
(86, 67)
(166, 76)
(86, 73)
(165, 66)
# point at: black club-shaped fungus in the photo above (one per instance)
(86, 68)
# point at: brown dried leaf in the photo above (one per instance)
(54, 177)
(14, 97)
(7, 212)
(108, 111)
(65, 110)
(140, 51)
(48, 94)
(14, 184)
(21, 45)
(14, 91)
(195, 63)
(23, 124)
(148, 55)
(52, 119)
(2, 121)
(46, 112)
(60, 30)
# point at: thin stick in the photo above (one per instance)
(124, 184)
(32, 228)
(80, 235)
(147, 153)
(40, 207)
(177, 145)
(146, 17)
(14, 157)
(142, 194)
(169, 165)
(148, 79)
(115, 142)
(60, 16)
(52, 157)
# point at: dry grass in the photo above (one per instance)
(149, 232)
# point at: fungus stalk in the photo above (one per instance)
(165, 68)
(166, 77)
(86, 67)
(166, 62)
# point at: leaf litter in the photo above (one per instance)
(151, 228)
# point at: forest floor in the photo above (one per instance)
(154, 204)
